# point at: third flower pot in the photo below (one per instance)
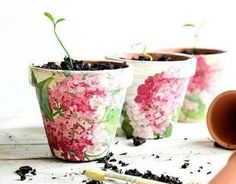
(203, 86)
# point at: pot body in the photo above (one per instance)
(221, 119)
(156, 95)
(80, 109)
(203, 86)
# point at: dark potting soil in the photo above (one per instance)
(150, 175)
(108, 165)
(24, 171)
(92, 182)
(185, 165)
(79, 65)
(217, 145)
(106, 158)
(137, 141)
(146, 58)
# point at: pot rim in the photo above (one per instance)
(117, 57)
(209, 122)
(171, 49)
(129, 66)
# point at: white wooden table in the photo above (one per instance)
(23, 142)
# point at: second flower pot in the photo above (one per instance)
(81, 109)
(157, 93)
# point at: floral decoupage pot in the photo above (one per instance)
(156, 95)
(204, 85)
(81, 109)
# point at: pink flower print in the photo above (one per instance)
(72, 131)
(205, 76)
(158, 98)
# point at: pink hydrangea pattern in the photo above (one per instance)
(205, 77)
(71, 132)
(156, 102)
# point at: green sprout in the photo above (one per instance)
(143, 52)
(196, 32)
(55, 22)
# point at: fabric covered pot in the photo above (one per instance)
(203, 86)
(157, 94)
(81, 109)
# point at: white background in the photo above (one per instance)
(95, 28)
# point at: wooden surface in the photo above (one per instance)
(28, 146)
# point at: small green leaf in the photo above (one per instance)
(33, 79)
(126, 127)
(59, 20)
(42, 93)
(49, 16)
(189, 25)
(168, 131)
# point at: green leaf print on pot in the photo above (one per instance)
(167, 132)
(42, 94)
(126, 127)
(111, 119)
(197, 111)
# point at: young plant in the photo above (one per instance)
(143, 52)
(55, 22)
(196, 32)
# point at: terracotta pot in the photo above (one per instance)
(227, 174)
(203, 86)
(221, 119)
(81, 109)
(156, 95)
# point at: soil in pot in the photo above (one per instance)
(156, 57)
(79, 65)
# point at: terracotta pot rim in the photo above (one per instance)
(209, 123)
(129, 66)
(214, 51)
(118, 57)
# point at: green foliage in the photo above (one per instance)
(126, 127)
(196, 32)
(51, 18)
(168, 131)
(143, 52)
(42, 94)
(111, 119)
(198, 114)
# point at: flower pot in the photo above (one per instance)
(203, 85)
(227, 174)
(81, 109)
(221, 119)
(157, 93)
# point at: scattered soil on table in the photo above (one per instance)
(92, 182)
(80, 65)
(149, 175)
(218, 146)
(137, 141)
(185, 165)
(25, 171)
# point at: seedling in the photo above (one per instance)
(55, 22)
(143, 52)
(196, 32)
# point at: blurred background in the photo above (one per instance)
(96, 28)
